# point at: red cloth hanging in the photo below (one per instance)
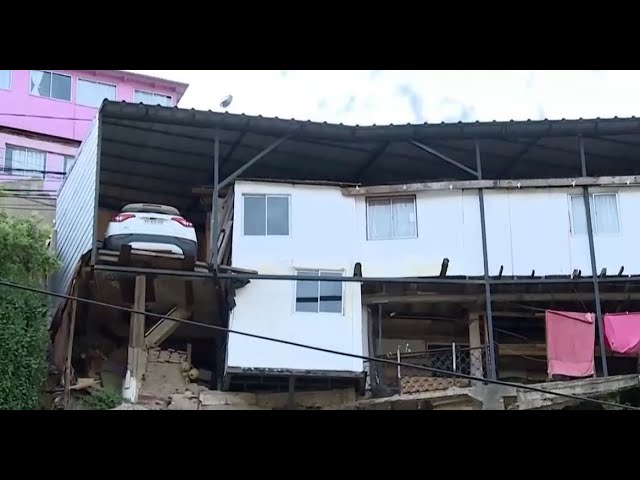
(570, 343)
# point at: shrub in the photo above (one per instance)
(24, 259)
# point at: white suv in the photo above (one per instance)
(146, 226)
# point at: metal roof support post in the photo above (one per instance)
(216, 188)
(592, 254)
(485, 257)
(238, 172)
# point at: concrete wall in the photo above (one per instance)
(526, 230)
(25, 205)
(67, 119)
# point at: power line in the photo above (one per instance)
(319, 349)
(45, 116)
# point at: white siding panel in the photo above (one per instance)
(526, 230)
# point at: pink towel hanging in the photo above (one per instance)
(570, 343)
(622, 332)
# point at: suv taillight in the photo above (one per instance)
(121, 217)
(182, 222)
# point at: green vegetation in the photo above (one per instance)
(102, 399)
(24, 259)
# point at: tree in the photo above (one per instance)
(25, 259)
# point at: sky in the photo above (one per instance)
(368, 97)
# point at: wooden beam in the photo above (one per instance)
(632, 180)
(430, 298)
(475, 342)
(137, 360)
(72, 329)
(165, 327)
(537, 350)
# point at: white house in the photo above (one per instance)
(290, 229)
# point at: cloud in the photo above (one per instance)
(368, 97)
(415, 101)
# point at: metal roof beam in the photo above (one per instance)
(519, 156)
(372, 159)
(154, 163)
(155, 147)
(247, 165)
(435, 153)
(168, 133)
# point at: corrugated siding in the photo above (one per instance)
(75, 211)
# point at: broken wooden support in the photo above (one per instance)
(83, 383)
(165, 327)
(444, 267)
(72, 328)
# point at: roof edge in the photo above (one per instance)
(458, 130)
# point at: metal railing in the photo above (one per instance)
(454, 358)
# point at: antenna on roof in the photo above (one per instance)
(226, 101)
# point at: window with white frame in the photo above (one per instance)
(150, 98)
(605, 217)
(24, 162)
(50, 85)
(5, 79)
(266, 215)
(91, 94)
(318, 296)
(391, 218)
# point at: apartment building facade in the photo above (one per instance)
(45, 114)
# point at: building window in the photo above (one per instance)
(91, 94)
(391, 218)
(50, 85)
(316, 296)
(24, 162)
(604, 214)
(68, 164)
(5, 79)
(150, 98)
(266, 215)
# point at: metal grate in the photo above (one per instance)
(469, 361)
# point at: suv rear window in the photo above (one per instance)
(150, 208)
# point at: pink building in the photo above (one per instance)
(45, 114)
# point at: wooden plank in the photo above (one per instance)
(226, 241)
(72, 328)
(475, 344)
(538, 350)
(60, 343)
(165, 327)
(632, 180)
(83, 383)
(429, 298)
(136, 363)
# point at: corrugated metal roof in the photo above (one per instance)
(476, 129)
(170, 150)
